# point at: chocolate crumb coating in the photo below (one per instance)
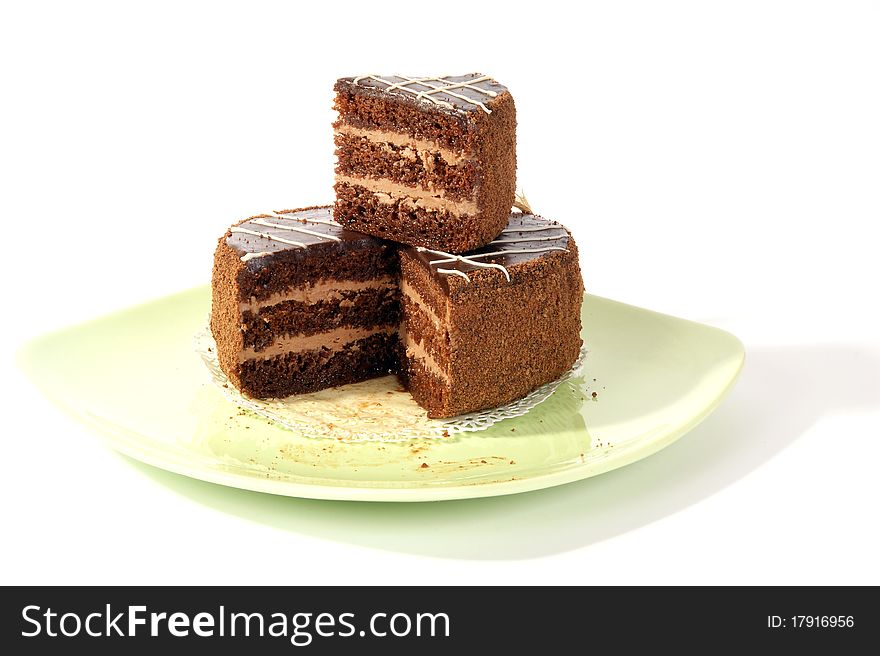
(425, 161)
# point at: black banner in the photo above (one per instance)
(432, 620)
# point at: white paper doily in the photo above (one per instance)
(376, 410)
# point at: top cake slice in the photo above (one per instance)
(427, 161)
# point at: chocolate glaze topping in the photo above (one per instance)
(265, 235)
(287, 233)
(456, 93)
(526, 237)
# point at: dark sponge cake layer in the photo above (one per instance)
(359, 209)
(310, 371)
(363, 309)
(358, 156)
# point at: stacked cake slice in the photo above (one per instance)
(300, 304)
(425, 161)
(419, 269)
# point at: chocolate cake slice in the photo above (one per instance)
(488, 327)
(300, 304)
(426, 161)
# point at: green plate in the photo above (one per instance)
(135, 377)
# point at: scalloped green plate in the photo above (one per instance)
(135, 377)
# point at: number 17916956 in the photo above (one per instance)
(811, 622)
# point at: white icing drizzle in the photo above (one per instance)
(266, 235)
(448, 258)
(454, 272)
(281, 226)
(252, 256)
(517, 251)
(293, 215)
(532, 228)
(445, 86)
(518, 240)
(321, 221)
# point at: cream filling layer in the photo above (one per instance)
(389, 192)
(422, 149)
(333, 340)
(416, 351)
(413, 295)
(323, 290)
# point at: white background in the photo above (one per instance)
(716, 161)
